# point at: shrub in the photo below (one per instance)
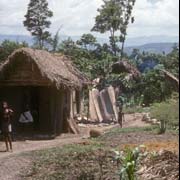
(162, 127)
(135, 109)
(128, 160)
(167, 113)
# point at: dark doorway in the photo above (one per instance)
(78, 102)
(39, 101)
(35, 107)
(31, 98)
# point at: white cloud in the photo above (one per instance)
(77, 16)
(155, 18)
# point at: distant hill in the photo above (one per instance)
(154, 44)
(17, 38)
(157, 48)
(139, 41)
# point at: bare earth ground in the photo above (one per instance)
(11, 164)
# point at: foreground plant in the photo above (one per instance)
(128, 161)
(162, 127)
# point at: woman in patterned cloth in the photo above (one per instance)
(5, 118)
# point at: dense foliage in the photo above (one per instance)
(96, 60)
(7, 47)
(114, 17)
(89, 56)
(167, 111)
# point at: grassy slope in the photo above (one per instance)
(89, 160)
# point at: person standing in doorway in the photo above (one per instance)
(26, 118)
(6, 118)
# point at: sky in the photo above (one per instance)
(75, 17)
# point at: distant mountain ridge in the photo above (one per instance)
(157, 48)
(142, 40)
(153, 44)
(17, 38)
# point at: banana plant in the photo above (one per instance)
(128, 161)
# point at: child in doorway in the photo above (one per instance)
(6, 118)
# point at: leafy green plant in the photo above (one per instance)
(7, 47)
(128, 160)
(167, 113)
(153, 154)
(162, 127)
(135, 109)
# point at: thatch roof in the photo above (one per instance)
(58, 69)
(125, 67)
(171, 78)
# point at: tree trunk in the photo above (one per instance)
(122, 48)
(113, 42)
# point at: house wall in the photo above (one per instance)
(56, 110)
(52, 109)
(77, 105)
(44, 110)
(60, 103)
(50, 105)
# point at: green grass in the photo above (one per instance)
(116, 131)
(76, 161)
(80, 161)
(166, 111)
(135, 109)
(131, 129)
(48, 155)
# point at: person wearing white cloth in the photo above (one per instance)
(26, 117)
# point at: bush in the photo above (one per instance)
(135, 109)
(167, 113)
(128, 161)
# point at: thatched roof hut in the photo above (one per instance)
(57, 69)
(48, 83)
(169, 76)
(125, 67)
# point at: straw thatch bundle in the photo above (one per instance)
(125, 67)
(58, 69)
(171, 78)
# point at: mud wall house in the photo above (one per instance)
(126, 67)
(49, 83)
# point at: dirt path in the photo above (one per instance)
(131, 120)
(29, 145)
(134, 120)
(13, 163)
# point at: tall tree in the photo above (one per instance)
(126, 18)
(37, 21)
(108, 21)
(114, 17)
(55, 41)
(87, 41)
(68, 47)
